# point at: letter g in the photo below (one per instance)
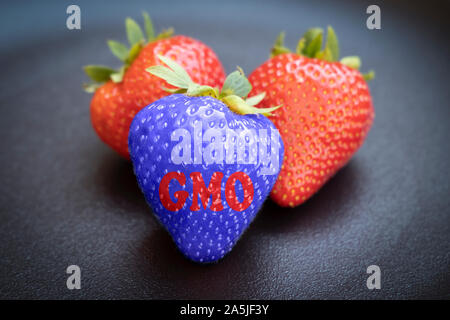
(164, 194)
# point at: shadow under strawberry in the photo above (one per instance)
(324, 208)
(157, 259)
(157, 256)
(115, 179)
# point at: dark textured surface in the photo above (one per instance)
(65, 198)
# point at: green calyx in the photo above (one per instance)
(101, 74)
(234, 91)
(311, 46)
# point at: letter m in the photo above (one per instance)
(214, 190)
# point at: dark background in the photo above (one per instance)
(66, 198)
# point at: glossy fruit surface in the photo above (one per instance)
(120, 94)
(114, 105)
(204, 205)
(325, 116)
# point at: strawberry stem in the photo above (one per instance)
(233, 93)
(310, 45)
(127, 55)
(278, 47)
(352, 62)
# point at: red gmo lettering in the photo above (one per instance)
(202, 194)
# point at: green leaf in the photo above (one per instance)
(168, 75)
(300, 46)
(352, 62)
(314, 46)
(253, 101)
(240, 70)
(133, 53)
(148, 27)
(279, 41)
(278, 47)
(134, 32)
(179, 70)
(238, 105)
(90, 87)
(369, 75)
(118, 49)
(309, 36)
(199, 90)
(325, 54)
(118, 76)
(332, 44)
(166, 33)
(98, 73)
(278, 50)
(236, 87)
(268, 111)
(173, 74)
(236, 83)
(175, 90)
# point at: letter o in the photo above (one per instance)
(230, 191)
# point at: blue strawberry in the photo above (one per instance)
(205, 160)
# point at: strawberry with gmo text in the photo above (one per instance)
(205, 160)
(120, 94)
(326, 115)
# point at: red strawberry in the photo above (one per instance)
(126, 91)
(326, 115)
